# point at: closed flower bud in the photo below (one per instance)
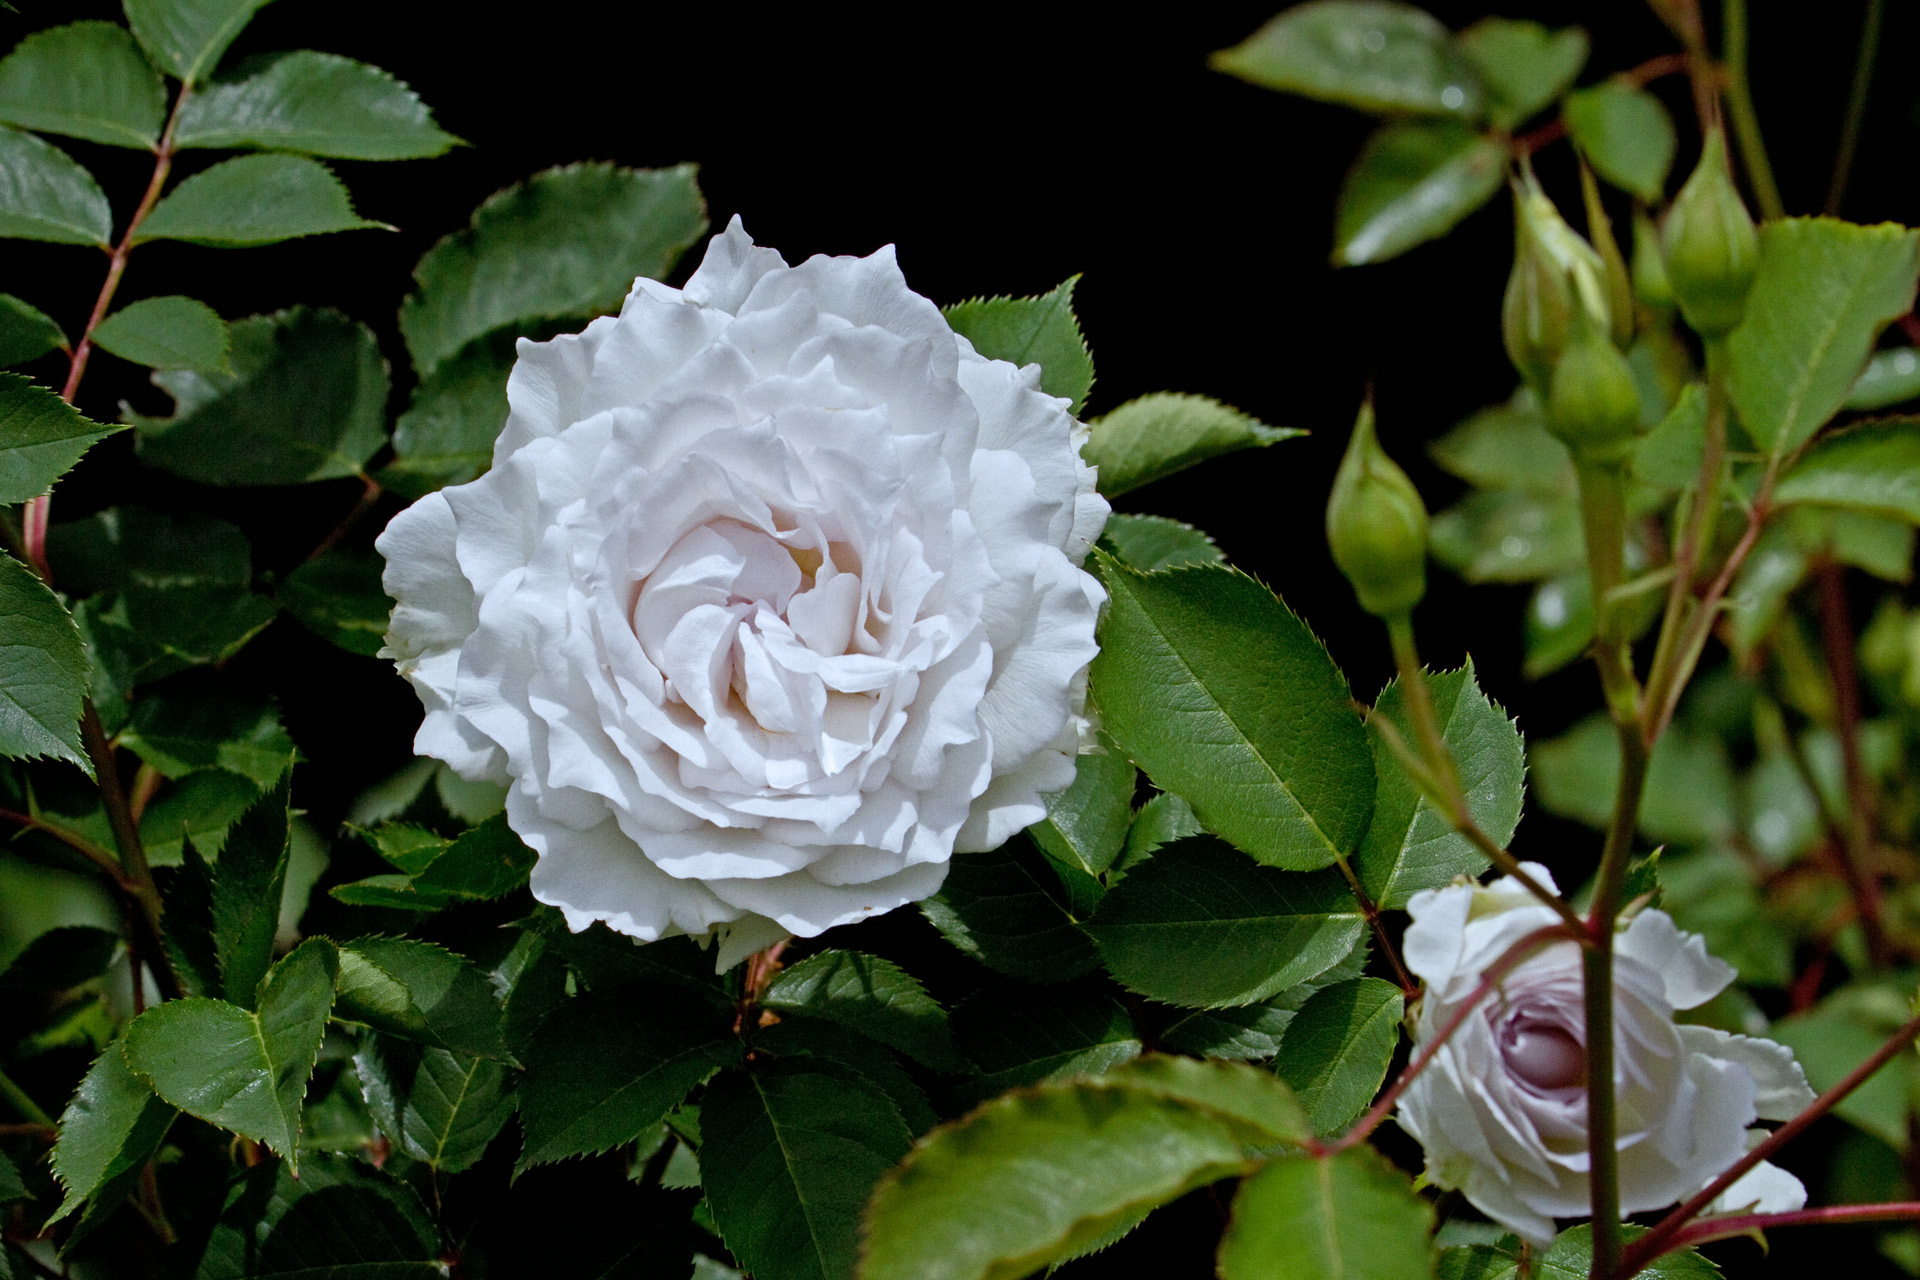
(1555, 272)
(1650, 283)
(1711, 246)
(1377, 525)
(1593, 406)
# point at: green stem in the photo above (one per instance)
(144, 921)
(1603, 1153)
(17, 1098)
(1603, 513)
(1746, 123)
(1856, 851)
(1856, 105)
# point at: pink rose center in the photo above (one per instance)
(1543, 1055)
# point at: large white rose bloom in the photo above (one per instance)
(770, 602)
(1502, 1108)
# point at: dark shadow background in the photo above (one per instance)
(1002, 147)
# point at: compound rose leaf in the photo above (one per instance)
(86, 80)
(317, 104)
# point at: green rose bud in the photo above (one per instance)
(1555, 272)
(1377, 525)
(1593, 406)
(1650, 283)
(1711, 246)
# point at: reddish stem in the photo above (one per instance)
(1740, 1224)
(1836, 634)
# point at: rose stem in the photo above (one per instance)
(1740, 1224)
(1856, 105)
(1408, 987)
(1746, 123)
(1490, 980)
(1660, 1239)
(1836, 636)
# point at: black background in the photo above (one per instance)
(1002, 147)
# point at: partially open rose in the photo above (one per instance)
(771, 601)
(1502, 1108)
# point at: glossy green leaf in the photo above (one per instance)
(407, 988)
(1376, 55)
(184, 729)
(1874, 468)
(1016, 911)
(43, 671)
(1151, 543)
(566, 242)
(486, 861)
(1410, 845)
(185, 38)
(240, 1070)
(1249, 1033)
(790, 1151)
(1086, 825)
(1510, 535)
(186, 887)
(166, 333)
(26, 332)
(1840, 1033)
(1626, 135)
(1019, 1035)
(1161, 820)
(1350, 1216)
(41, 437)
(340, 1219)
(247, 886)
(202, 807)
(307, 396)
(107, 1132)
(62, 957)
(1337, 1047)
(1559, 626)
(1200, 924)
(317, 104)
(598, 1074)
(602, 960)
(1268, 751)
(86, 80)
(870, 995)
(1024, 331)
(1669, 455)
(1824, 291)
(1038, 1175)
(440, 1107)
(1413, 182)
(1525, 66)
(127, 549)
(1882, 545)
(1157, 435)
(44, 195)
(1570, 1257)
(252, 200)
(446, 435)
(338, 597)
(1892, 376)
(1507, 446)
(799, 1036)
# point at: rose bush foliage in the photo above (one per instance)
(770, 602)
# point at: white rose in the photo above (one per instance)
(1502, 1108)
(770, 602)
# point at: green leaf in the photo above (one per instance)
(11, 1187)
(41, 437)
(307, 397)
(1669, 455)
(1891, 377)
(487, 861)
(566, 242)
(1689, 791)
(1413, 182)
(185, 38)
(415, 990)
(1823, 292)
(1710, 892)
(166, 333)
(202, 807)
(1372, 54)
(439, 1107)
(1507, 446)
(1525, 66)
(1410, 845)
(1038, 1175)
(599, 1075)
(1569, 1258)
(184, 728)
(1268, 751)
(1881, 545)
(338, 597)
(1874, 467)
(1510, 535)
(132, 549)
(1626, 134)
(872, 996)
(1336, 1050)
(1840, 1033)
(62, 957)
(1200, 924)
(43, 671)
(187, 891)
(1016, 911)
(1151, 543)
(247, 887)
(239, 1070)
(602, 960)
(1086, 825)
(1161, 820)
(107, 1132)
(317, 104)
(1157, 435)
(1250, 1033)
(789, 1153)
(254, 200)
(26, 332)
(1559, 627)
(1350, 1216)
(340, 1220)
(446, 435)
(797, 1035)
(1018, 1035)
(86, 80)
(1024, 331)
(44, 195)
